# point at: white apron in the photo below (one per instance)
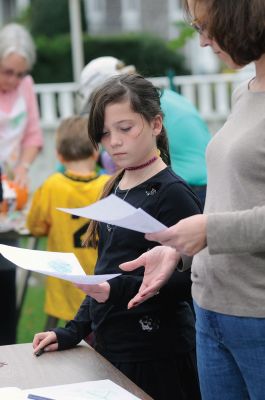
(12, 126)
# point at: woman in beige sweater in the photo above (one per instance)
(227, 242)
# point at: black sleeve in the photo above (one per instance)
(176, 203)
(1, 187)
(178, 288)
(76, 329)
(123, 288)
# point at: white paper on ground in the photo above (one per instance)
(93, 390)
(115, 211)
(60, 265)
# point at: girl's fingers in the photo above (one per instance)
(134, 302)
(140, 298)
(150, 291)
(51, 347)
(38, 338)
(43, 339)
(47, 344)
(134, 264)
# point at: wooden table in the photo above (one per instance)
(22, 369)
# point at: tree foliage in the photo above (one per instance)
(186, 33)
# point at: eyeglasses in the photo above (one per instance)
(10, 73)
(200, 28)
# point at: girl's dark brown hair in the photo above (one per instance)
(144, 99)
(238, 26)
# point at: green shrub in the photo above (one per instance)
(54, 62)
(51, 17)
(150, 55)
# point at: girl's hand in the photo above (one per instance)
(47, 341)
(159, 263)
(99, 292)
(188, 236)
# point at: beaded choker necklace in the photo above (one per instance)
(153, 159)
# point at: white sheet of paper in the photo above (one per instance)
(61, 265)
(93, 390)
(12, 393)
(113, 210)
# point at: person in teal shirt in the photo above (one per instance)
(188, 137)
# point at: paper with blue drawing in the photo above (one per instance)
(93, 390)
(112, 210)
(60, 265)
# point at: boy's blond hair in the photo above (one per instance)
(72, 140)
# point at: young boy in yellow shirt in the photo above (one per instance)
(78, 186)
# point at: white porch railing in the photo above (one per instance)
(211, 94)
(56, 101)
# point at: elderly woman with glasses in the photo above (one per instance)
(20, 133)
(20, 142)
(228, 241)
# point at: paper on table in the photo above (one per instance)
(113, 210)
(60, 265)
(93, 390)
(12, 393)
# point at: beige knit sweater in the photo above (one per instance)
(229, 275)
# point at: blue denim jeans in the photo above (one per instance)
(230, 356)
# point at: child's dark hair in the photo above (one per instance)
(72, 142)
(144, 99)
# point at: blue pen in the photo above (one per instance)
(36, 397)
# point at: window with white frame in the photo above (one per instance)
(95, 13)
(131, 4)
(130, 14)
(175, 13)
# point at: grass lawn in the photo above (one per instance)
(32, 319)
